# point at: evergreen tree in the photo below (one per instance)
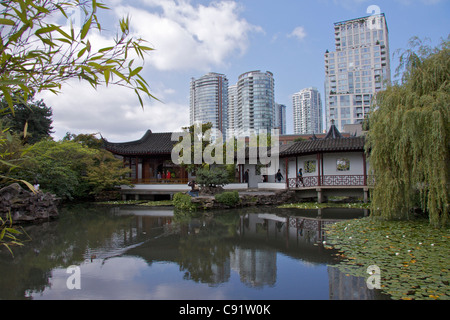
(32, 121)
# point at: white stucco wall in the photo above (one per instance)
(329, 164)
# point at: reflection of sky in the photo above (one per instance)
(133, 278)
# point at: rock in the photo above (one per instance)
(27, 206)
(247, 200)
(208, 191)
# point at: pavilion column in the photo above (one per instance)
(136, 168)
(286, 164)
(364, 168)
(318, 170)
(365, 189)
(321, 163)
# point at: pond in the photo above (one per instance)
(124, 252)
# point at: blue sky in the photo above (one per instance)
(193, 37)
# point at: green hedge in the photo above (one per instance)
(229, 198)
(183, 202)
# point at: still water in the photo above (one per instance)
(138, 253)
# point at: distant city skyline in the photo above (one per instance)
(241, 109)
(194, 37)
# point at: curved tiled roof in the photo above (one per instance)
(334, 141)
(325, 145)
(150, 143)
(161, 143)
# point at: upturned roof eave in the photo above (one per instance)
(315, 151)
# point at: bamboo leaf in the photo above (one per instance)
(85, 28)
(7, 247)
(120, 75)
(105, 49)
(81, 52)
(7, 97)
(48, 29)
(25, 129)
(107, 74)
(135, 71)
(7, 22)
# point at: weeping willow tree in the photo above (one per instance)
(409, 137)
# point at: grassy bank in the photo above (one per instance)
(412, 256)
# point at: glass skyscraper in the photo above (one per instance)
(209, 101)
(307, 107)
(255, 106)
(357, 69)
(280, 118)
(232, 110)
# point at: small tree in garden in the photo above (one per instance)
(212, 178)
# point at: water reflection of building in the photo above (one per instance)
(348, 287)
(220, 272)
(206, 257)
(295, 231)
(256, 268)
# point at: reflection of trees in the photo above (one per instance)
(205, 248)
(56, 244)
(205, 254)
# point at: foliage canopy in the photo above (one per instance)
(32, 121)
(409, 137)
(68, 169)
(37, 55)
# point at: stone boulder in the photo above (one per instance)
(27, 206)
(247, 199)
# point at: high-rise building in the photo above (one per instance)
(255, 103)
(280, 118)
(307, 107)
(232, 109)
(357, 69)
(209, 101)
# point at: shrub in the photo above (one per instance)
(183, 202)
(212, 177)
(229, 198)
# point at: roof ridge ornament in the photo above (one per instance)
(333, 132)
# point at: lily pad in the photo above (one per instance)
(412, 256)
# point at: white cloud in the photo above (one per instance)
(185, 36)
(113, 111)
(188, 37)
(298, 33)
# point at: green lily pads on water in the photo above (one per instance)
(411, 255)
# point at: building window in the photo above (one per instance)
(310, 166)
(343, 164)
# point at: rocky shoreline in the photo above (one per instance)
(246, 199)
(26, 206)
